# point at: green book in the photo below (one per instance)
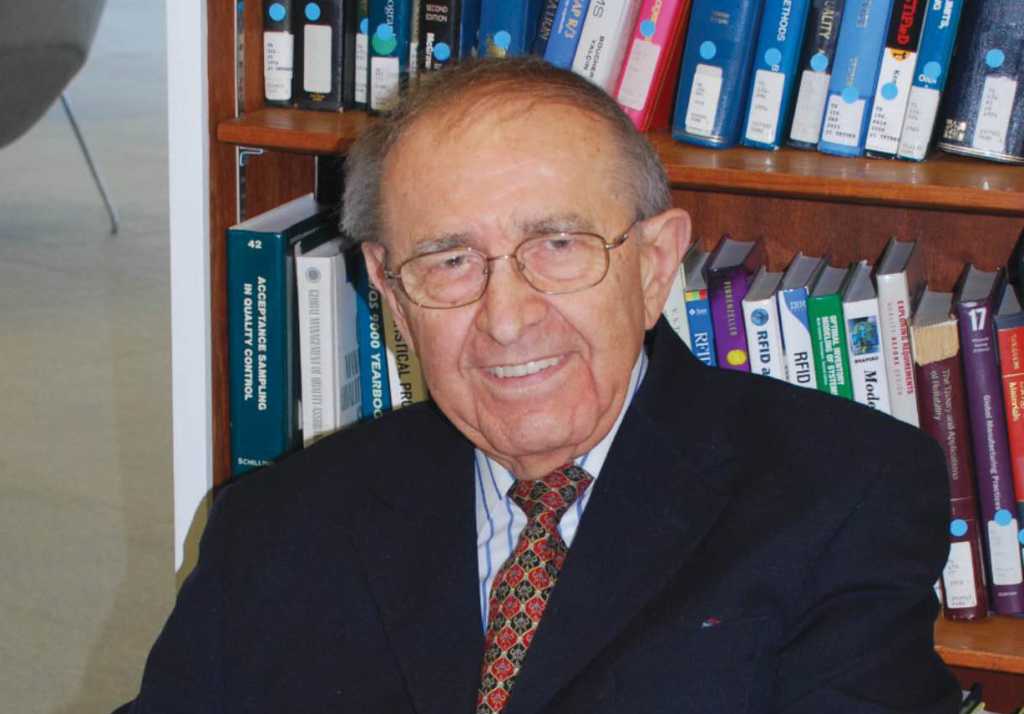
(828, 336)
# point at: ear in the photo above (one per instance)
(663, 240)
(376, 255)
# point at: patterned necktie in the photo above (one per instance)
(524, 583)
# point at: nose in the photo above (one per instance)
(509, 306)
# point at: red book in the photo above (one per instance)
(1010, 333)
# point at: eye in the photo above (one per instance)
(453, 262)
(559, 243)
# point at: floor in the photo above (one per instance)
(86, 546)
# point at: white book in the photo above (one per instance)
(675, 307)
(764, 332)
(899, 278)
(328, 346)
(796, 331)
(606, 34)
(864, 340)
(405, 376)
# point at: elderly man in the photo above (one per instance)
(586, 519)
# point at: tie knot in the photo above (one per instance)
(553, 494)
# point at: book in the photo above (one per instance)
(900, 279)
(1010, 336)
(278, 53)
(730, 269)
(675, 306)
(565, 33)
(507, 27)
(942, 19)
(715, 75)
(761, 320)
(644, 88)
(370, 331)
(976, 297)
(776, 59)
(796, 331)
(328, 39)
(603, 42)
(448, 29)
(895, 75)
(942, 405)
(390, 24)
(262, 340)
(828, 335)
(361, 67)
(405, 377)
(414, 40)
(854, 75)
(698, 307)
(864, 339)
(984, 104)
(544, 25)
(328, 346)
(815, 72)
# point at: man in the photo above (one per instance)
(579, 523)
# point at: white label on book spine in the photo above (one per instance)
(603, 42)
(843, 121)
(362, 55)
(765, 102)
(810, 107)
(278, 49)
(958, 577)
(702, 109)
(383, 82)
(639, 75)
(919, 122)
(994, 114)
(890, 101)
(316, 59)
(1005, 553)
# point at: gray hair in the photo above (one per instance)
(487, 80)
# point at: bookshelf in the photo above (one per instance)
(962, 210)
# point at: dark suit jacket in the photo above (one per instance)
(749, 547)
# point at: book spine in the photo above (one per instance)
(715, 74)
(984, 104)
(675, 307)
(604, 40)
(815, 72)
(796, 337)
(894, 313)
(544, 26)
(828, 340)
(316, 342)
(373, 366)
(1011, 364)
(278, 52)
(261, 399)
(944, 418)
(439, 27)
(933, 58)
(852, 85)
(414, 40)
(864, 346)
(726, 291)
(649, 58)
(405, 377)
(390, 25)
(892, 89)
(325, 44)
(507, 27)
(361, 66)
(991, 455)
(764, 337)
(702, 331)
(775, 68)
(565, 35)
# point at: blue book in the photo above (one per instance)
(854, 76)
(815, 72)
(544, 27)
(390, 27)
(938, 38)
(565, 33)
(715, 74)
(797, 344)
(775, 72)
(373, 365)
(698, 307)
(262, 329)
(508, 27)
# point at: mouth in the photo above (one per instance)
(524, 369)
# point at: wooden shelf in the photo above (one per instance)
(943, 182)
(996, 644)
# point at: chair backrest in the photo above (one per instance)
(43, 43)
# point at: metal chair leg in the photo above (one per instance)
(111, 211)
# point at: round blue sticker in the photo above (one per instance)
(890, 91)
(1003, 517)
(364, 26)
(442, 52)
(850, 95)
(995, 58)
(759, 316)
(958, 528)
(932, 70)
(819, 62)
(1020, 537)
(647, 28)
(385, 31)
(503, 39)
(277, 12)
(312, 11)
(708, 50)
(772, 56)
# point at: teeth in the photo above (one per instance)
(523, 370)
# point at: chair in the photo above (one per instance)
(43, 44)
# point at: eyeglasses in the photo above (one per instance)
(551, 263)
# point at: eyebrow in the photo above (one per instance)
(445, 241)
(556, 223)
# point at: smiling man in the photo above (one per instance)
(585, 519)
